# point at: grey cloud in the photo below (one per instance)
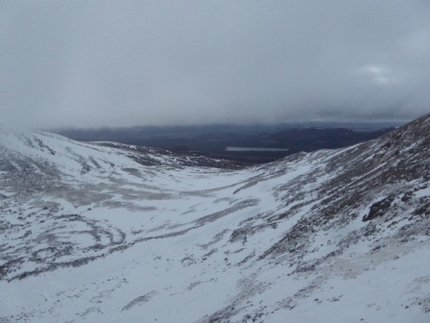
(96, 63)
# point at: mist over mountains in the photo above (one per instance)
(110, 232)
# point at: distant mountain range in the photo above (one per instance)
(213, 141)
(108, 232)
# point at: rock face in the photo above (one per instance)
(118, 233)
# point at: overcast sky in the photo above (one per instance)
(122, 63)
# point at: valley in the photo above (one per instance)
(258, 143)
(110, 232)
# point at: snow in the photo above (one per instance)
(111, 240)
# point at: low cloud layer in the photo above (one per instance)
(121, 63)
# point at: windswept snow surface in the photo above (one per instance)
(108, 233)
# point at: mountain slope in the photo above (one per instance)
(89, 234)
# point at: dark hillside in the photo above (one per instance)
(213, 142)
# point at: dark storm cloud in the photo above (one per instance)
(95, 63)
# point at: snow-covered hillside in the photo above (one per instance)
(112, 233)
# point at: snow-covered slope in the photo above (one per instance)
(109, 233)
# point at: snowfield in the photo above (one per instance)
(103, 232)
